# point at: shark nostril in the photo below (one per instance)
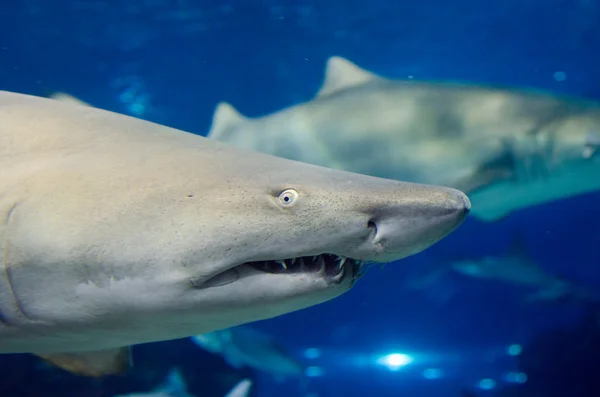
(373, 226)
(466, 204)
(374, 236)
(460, 203)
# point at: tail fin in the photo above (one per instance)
(563, 291)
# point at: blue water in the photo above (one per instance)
(172, 61)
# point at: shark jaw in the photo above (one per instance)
(330, 267)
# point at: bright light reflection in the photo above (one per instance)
(395, 361)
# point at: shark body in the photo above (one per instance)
(117, 231)
(508, 149)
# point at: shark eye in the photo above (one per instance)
(288, 197)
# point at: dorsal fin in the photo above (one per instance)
(340, 74)
(225, 117)
(63, 97)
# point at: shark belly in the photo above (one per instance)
(499, 199)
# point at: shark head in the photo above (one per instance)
(279, 235)
(579, 138)
(151, 233)
(561, 160)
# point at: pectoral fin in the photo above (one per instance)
(95, 363)
(242, 389)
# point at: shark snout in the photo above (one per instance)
(456, 202)
(415, 220)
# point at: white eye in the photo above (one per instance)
(288, 197)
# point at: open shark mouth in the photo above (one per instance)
(328, 265)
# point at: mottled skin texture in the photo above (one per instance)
(508, 149)
(110, 225)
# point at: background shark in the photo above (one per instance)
(247, 346)
(508, 149)
(515, 267)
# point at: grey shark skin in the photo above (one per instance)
(117, 231)
(507, 149)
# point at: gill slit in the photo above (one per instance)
(6, 268)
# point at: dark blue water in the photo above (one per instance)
(265, 55)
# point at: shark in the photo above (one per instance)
(508, 148)
(514, 267)
(116, 231)
(246, 346)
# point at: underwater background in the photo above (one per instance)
(173, 61)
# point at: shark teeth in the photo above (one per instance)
(326, 265)
(282, 263)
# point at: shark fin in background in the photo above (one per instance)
(63, 97)
(95, 363)
(174, 385)
(340, 74)
(560, 292)
(225, 117)
(563, 290)
(242, 389)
